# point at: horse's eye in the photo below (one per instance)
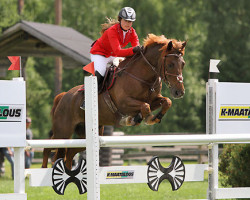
(171, 65)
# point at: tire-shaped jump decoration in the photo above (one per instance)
(175, 173)
(61, 176)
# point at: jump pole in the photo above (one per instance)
(225, 104)
(92, 136)
(213, 157)
(143, 140)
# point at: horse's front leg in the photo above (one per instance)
(163, 102)
(135, 106)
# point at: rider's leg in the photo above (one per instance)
(99, 83)
(99, 79)
(100, 63)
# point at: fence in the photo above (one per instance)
(220, 127)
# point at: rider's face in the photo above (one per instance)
(126, 25)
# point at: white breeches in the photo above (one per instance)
(100, 62)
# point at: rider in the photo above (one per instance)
(110, 44)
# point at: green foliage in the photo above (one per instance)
(87, 17)
(39, 11)
(234, 165)
(38, 107)
(228, 38)
(8, 13)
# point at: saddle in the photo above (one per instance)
(109, 79)
(110, 75)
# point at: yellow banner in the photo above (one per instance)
(234, 112)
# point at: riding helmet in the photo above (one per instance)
(127, 13)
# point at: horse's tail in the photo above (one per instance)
(56, 101)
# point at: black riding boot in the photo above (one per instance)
(99, 82)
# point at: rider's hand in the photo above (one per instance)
(138, 49)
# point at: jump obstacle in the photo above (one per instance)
(226, 123)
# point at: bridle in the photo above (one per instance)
(156, 84)
(179, 77)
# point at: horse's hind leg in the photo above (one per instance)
(46, 153)
(71, 152)
(60, 153)
(63, 129)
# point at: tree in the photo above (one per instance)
(8, 14)
(227, 40)
(38, 108)
(214, 29)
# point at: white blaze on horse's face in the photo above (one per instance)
(180, 78)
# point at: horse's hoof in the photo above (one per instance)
(137, 119)
(158, 117)
(126, 121)
(149, 120)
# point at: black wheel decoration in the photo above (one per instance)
(156, 173)
(175, 173)
(61, 176)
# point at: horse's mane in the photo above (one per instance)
(152, 39)
(110, 22)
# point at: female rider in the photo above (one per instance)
(113, 39)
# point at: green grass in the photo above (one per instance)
(189, 190)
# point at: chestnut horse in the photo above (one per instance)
(134, 95)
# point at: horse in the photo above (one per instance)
(132, 98)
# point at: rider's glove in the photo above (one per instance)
(138, 49)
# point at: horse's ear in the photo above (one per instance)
(170, 46)
(184, 45)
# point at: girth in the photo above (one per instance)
(108, 100)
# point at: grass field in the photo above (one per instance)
(194, 190)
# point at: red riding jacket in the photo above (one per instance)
(111, 42)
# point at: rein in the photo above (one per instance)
(151, 85)
(179, 77)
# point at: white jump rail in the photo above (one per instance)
(143, 140)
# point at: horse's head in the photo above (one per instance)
(171, 62)
(172, 67)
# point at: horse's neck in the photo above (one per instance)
(143, 66)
